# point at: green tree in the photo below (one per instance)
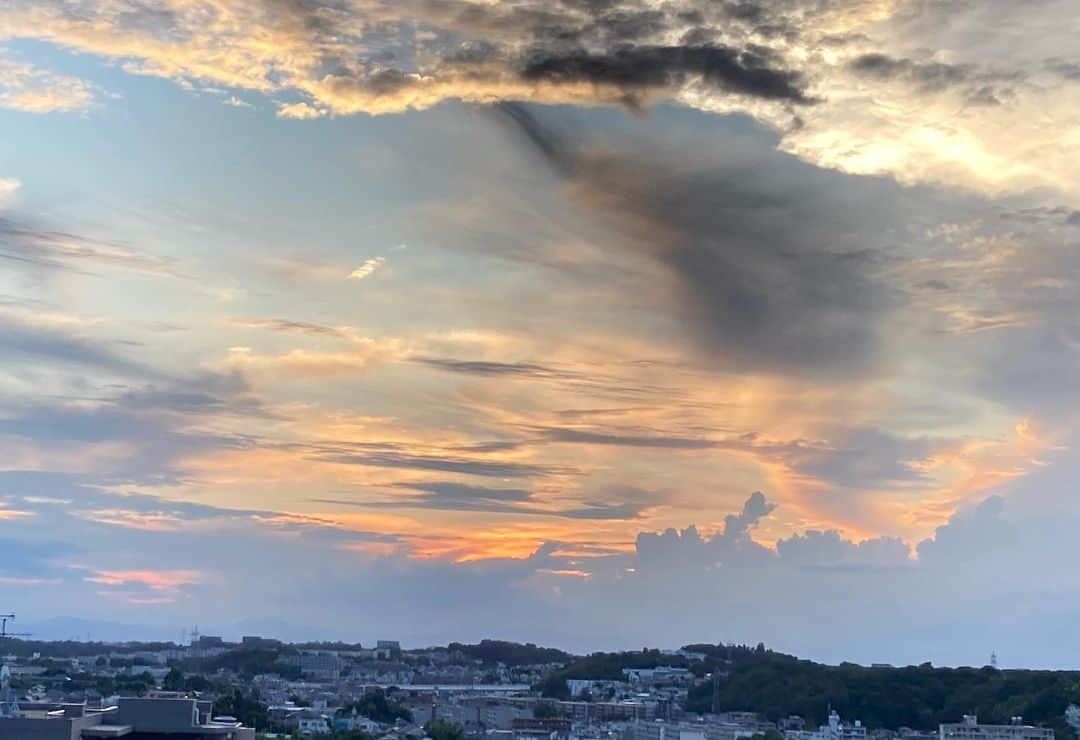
(174, 680)
(545, 710)
(377, 706)
(440, 729)
(247, 709)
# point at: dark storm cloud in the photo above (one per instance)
(621, 53)
(773, 261)
(631, 69)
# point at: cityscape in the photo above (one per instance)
(539, 369)
(261, 687)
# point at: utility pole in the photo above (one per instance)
(716, 689)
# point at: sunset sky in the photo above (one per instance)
(593, 323)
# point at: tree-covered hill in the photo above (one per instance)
(920, 697)
(510, 653)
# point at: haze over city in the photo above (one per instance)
(589, 323)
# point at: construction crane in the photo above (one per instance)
(4, 618)
(9, 703)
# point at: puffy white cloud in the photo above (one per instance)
(30, 89)
(301, 111)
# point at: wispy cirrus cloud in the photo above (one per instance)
(33, 248)
(621, 504)
(367, 268)
(287, 326)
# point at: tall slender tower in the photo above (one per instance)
(716, 689)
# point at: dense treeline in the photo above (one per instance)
(248, 662)
(76, 649)
(920, 697)
(510, 653)
(248, 708)
(376, 706)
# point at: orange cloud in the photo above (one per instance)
(145, 586)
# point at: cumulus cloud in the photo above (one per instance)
(830, 548)
(300, 111)
(818, 592)
(754, 509)
(901, 87)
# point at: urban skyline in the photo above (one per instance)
(590, 323)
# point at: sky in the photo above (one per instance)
(591, 323)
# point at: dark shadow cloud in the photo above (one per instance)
(634, 70)
(772, 266)
(930, 76)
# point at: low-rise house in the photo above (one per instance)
(970, 729)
